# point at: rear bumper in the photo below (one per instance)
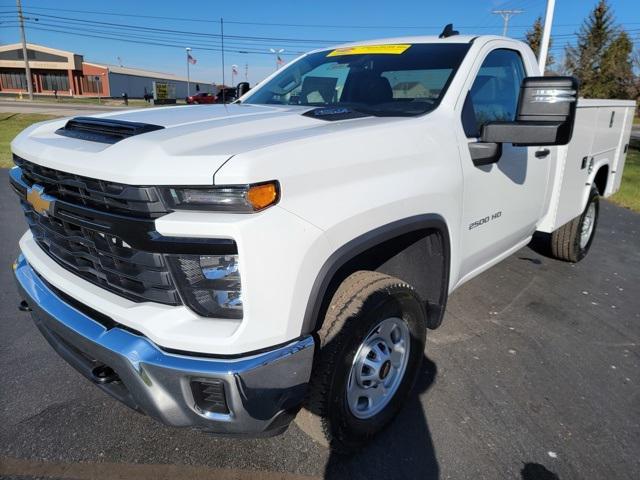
(261, 392)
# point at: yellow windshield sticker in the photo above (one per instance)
(368, 49)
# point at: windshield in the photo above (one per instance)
(374, 79)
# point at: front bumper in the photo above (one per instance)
(262, 391)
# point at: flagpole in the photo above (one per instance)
(277, 53)
(188, 74)
(222, 41)
(546, 35)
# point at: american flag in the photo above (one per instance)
(190, 59)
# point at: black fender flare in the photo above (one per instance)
(368, 240)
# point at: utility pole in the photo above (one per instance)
(546, 36)
(222, 42)
(23, 38)
(188, 49)
(506, 16)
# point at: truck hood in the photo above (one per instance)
(203, 116)
(194, 143)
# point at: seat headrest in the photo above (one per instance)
(367, 87)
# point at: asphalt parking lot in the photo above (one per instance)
(534, 375)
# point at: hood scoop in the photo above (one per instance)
(104, 130)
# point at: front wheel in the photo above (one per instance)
(371, 348)
(572, 241)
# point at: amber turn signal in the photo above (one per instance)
(262, 195)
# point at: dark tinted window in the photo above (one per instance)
(494, 94)
(408, 82)
(55, 81)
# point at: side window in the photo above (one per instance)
(494, 93)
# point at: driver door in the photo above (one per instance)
(502, 201)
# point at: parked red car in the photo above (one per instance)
(201, 97)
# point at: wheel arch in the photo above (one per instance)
(601, 178)
(415, 250)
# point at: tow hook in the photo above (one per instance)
(104, 374)
(24, 306)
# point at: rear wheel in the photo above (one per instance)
(371, 348)
(572, 241)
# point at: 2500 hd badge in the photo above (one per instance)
(484, 220)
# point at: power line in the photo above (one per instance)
(184, 39)
(295, 25)
(207, 38)
(144, 42)
(268, 24)
(166, 30)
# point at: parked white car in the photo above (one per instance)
(222, 266)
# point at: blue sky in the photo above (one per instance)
(302, 25)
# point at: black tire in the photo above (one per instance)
(361, 302)
(565, 241)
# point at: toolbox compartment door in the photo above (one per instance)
(601, 132)
(571, 172)
(613, 185)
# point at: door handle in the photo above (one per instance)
(542, 153)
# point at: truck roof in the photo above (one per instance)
(420, 39)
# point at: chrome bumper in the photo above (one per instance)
(262, 392)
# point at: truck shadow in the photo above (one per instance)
(541, 244)
(535, 471)
(404, 450)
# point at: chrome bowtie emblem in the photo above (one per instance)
(40, 201)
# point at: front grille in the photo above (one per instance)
(101, 195)
(104, 259)
(86, 231)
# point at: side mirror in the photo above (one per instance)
(545, 116)
(242, 88)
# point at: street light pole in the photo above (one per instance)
(188, 49)
(23, 38)
(546, 36)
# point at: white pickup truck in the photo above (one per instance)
(231, 267)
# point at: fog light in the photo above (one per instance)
(209, 395)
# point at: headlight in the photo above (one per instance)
(209, 284)
(239, 199)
